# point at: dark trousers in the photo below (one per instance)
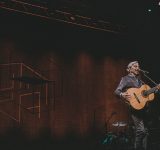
(141, 133)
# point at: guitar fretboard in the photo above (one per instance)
(152, 90)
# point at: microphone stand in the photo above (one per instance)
(107, 122)
(150, 79)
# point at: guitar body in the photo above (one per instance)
(138, 98)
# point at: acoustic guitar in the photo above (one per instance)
(140, 96)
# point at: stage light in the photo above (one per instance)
(72, 18)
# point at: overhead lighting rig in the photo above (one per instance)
(60, 15)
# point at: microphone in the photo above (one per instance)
(143, 71)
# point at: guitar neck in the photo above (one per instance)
(150, 91)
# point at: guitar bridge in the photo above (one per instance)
(136, 97)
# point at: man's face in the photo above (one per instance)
(135, 69)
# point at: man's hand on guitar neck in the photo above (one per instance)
(125, 96)
(157, 90)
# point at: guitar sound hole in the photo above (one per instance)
(144, 93)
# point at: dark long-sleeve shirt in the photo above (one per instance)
(128, 81)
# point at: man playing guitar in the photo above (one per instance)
(134, 92)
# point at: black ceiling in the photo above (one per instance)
(117, 10)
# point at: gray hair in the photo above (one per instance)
(130, 65)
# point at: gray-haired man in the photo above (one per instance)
(132, 80)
